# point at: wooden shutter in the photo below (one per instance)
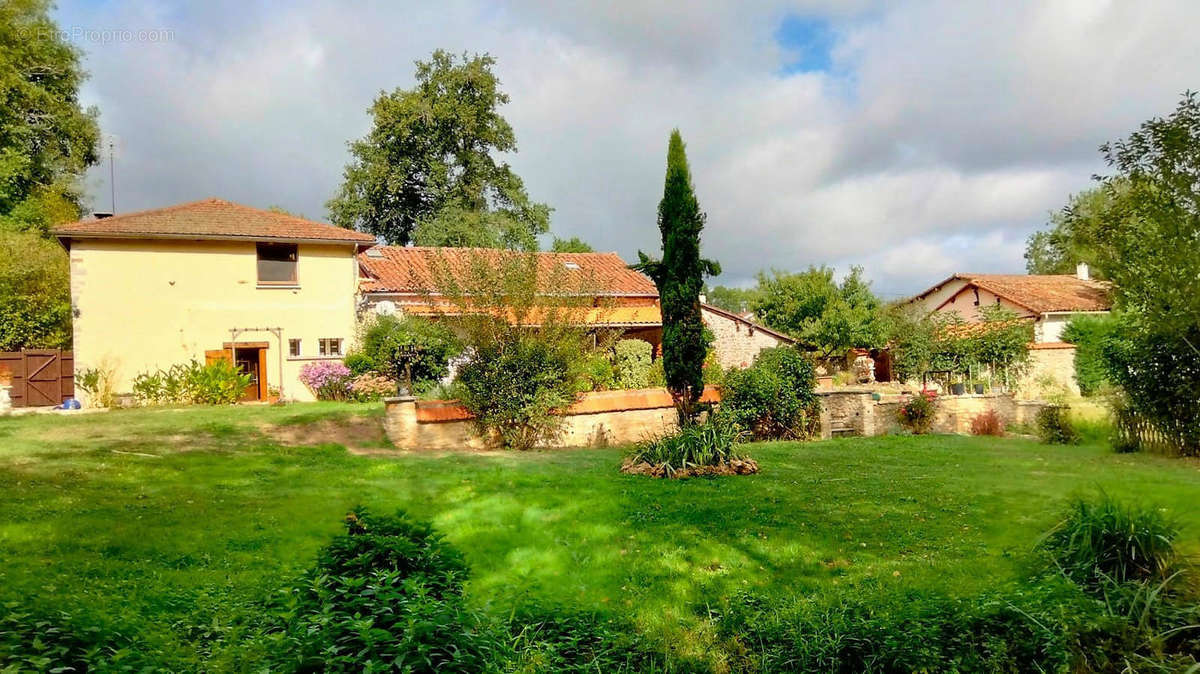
(211, 357)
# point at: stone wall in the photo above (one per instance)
(856, 412)
(1051, 366)
(622, 417)
(596, 420)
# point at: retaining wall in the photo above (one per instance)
(621, 417)
(596, 420)
(856, 412)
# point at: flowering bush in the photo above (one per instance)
(371, 386)
(916, 414)
(327, 379)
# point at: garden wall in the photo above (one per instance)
(598, 419)
(856, 412)
(621, 417)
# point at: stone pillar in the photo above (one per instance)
(5, 399)
(400, 421)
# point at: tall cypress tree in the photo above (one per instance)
(679, 277)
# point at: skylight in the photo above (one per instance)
(571, 265)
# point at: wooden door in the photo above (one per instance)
(247, 362)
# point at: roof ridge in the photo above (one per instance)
(144, 211)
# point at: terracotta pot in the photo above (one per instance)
(825, 383)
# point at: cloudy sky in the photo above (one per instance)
(914, 138)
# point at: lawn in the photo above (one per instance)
(159, 521)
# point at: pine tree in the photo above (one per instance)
(679, 277)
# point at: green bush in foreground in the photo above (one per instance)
(1106, 541)
(386, 595)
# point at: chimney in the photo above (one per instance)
(101, 216)
(1081, 272)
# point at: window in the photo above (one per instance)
(329, 346)
(294, 348)
(277, 263)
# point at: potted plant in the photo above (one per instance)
(978, 386)
(958, 388)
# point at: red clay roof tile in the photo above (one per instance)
(411, 269)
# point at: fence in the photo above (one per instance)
(40, 377)
(1133, 432)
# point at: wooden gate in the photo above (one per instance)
(40, 377)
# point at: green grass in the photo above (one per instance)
(161, 520)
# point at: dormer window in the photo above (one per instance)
(277, 264)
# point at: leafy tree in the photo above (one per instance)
(679, 277)
(35, 293)
(814, 309)
(47, 140)
(1076, 235)
(427, 170)
(571, 245)
(737, 300)
(1154, 230)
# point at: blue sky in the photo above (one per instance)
(916, 138)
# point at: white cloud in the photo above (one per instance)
(942, 136)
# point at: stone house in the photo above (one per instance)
(1048, 301)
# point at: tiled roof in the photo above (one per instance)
(211, 219)
(398, 269)
(1062, 292)
(610, 317)
(1040, 293)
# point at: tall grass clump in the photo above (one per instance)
(1109, 542)
(708, 448)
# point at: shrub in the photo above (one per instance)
(30, 642)
(514, 387)
(1105, 541)
(327, 379)
(216, 383)
(759, 401)
(774, 397)
(987, 423)
(595, 373)
(386, 595)
(1054, 426)
(385, 338)
(916, 414)
(99, 383)
(692, 448)
(360, 364)
(371, 386)
(632, 363)
(1158, 370)
(1088, 334)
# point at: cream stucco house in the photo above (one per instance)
(212, 279)
(1048, 301)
